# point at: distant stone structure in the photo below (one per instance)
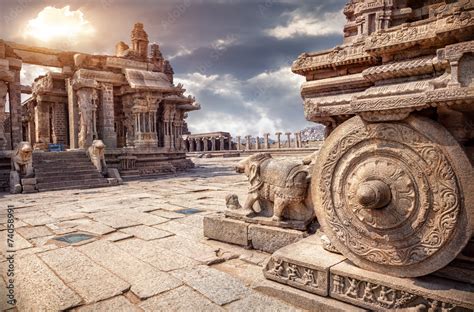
(128, 101)
(204, 142)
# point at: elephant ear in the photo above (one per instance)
(254, 177)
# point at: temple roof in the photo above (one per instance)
(146, 80)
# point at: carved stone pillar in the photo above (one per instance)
(42, 123)
(222, 142)
(257, 143)
(288, 139)
(213, 142)
(198, 144)
(3, 98)
(14, 96)
(230, 142)
(248, 147)
(109, 136)
(239, 143)
(86, 101)
(191, 144)
(266, 144)
(297, 140)
(278, 135)
(206, 144)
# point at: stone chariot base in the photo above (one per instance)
(250, 235)
(307, 266)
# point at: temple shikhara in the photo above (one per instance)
(128, 101)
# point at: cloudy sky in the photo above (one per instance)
(233, 55)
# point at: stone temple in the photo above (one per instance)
(128, 101)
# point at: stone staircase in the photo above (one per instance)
(5, 168)
(65, 170)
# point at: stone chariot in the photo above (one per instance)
(393, 184)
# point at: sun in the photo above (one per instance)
(58, 24)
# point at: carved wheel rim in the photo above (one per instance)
(390, 196)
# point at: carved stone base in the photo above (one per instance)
(243, 215)
(256, 236)
(307, 266)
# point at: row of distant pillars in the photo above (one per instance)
(258, 145)
(204, 144)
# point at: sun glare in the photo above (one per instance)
(58, 24)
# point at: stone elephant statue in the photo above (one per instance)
(280, 184)
(96, 153)
(22, 159)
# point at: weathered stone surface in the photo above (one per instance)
(38, 288)
(162, 259)
(87, 225)
(259, 302)
(304, 265)
(194, 250)
(33, 232)
(40, 220)
(146, 232)
(146, 281)
(303, 299)
(382, 292)
(18, 242)
(91, 281)
(226, 230)
(117, 221)
(180, 299)
(115, 304)
(117, 236)
(270, 239)
(167, 214)
(220, 287)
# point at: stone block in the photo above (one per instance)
(114, 174)
(270, 239)
(29, 189)
(226, 230)
(15, 185)
(218, 286)
(381, 292)
(28, 181)
(304, 265)
(91, 281)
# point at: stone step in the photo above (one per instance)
(61, 173)
(67, 177)
(62, 161)
(79, 184)
(58, 168)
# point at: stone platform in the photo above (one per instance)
(307, 266)
(250, 235)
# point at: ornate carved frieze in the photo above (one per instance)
(406, 35)
(383, 297)
(412, 67)
(339, 56)
(296, 275)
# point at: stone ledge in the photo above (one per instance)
(260, 237)
(226, 230)
(307, 266)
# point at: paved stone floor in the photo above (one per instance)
(146, 253)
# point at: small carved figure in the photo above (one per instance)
(22, 159)
(338, 284)
(282, 183)
(96, 153)
(309, 278)
(384, 296)
(353, 290)
(293, 272)
(232, 202)
(369, 292)
(278, 268)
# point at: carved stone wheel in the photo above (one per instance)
(394, 197)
